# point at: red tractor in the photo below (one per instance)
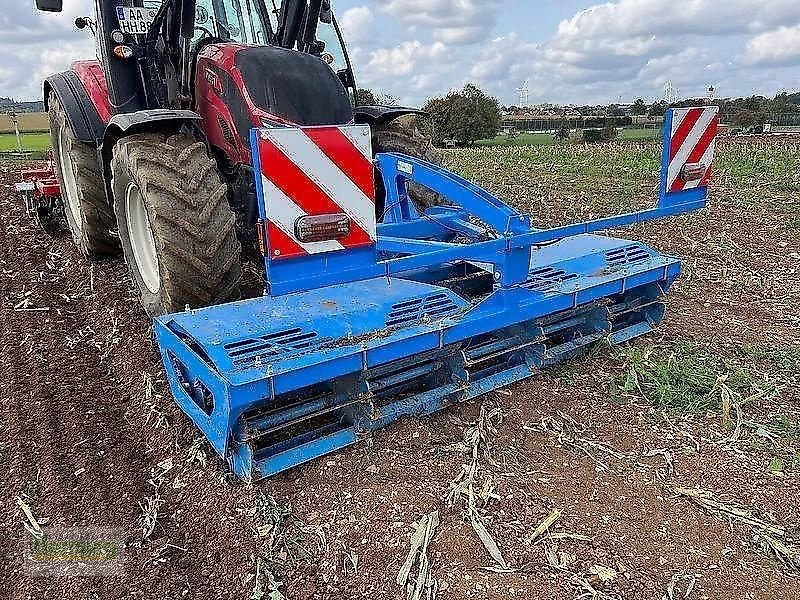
(151, 141)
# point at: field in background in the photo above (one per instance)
(639, 134)
(28, 122)
(669, 468)
(31, 142)
(523, 139)
(35, 127)
(547, 139)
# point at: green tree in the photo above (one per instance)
(658, 109)
(464, 116)
(747, 119)
(592, 135)
(387, 99)
(753, 103)
(610, 131)
(562, 133)
(367, 97)
(615, 111)
(782, 103)
(639, 107)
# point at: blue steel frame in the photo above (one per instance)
(404, 232)
(331, 320)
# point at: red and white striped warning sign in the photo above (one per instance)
(324, 172)
(691, 148)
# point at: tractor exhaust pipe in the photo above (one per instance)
(309, 40)
(187, 33)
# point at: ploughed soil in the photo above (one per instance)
(91, 437)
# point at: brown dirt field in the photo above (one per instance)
(89, 433)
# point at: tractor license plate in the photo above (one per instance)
(135, 20)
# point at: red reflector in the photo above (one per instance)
(693, 171)
(322, 228)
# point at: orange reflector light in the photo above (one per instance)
(693, 171)
(322, 228)
(123, 52)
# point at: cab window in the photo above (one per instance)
(234, 20)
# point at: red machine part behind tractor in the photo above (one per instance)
(151, 141)
(42, 193)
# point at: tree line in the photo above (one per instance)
(462, 117)
(11, 105)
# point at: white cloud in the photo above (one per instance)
(629, 33)
(779, 47)
(633, 18)
(451, 21)
(503, 59)
(411, 70)
(356, 24)
(407, 58)
(462, 35)
(631, 48)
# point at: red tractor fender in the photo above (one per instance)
(83, 94)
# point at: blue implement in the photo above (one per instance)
(356, 331)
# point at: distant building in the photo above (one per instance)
(784, 123)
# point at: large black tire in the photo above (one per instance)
(405, 138)
(172, 186)
(89, 217)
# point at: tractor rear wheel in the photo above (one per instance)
(89, 217)
(398, 136)
(175, 224)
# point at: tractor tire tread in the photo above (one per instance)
(400, 136)
(95, 238)
(193, 225)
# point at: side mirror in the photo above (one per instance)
(50, 5)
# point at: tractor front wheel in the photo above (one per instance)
(89, 216)
(175, 224)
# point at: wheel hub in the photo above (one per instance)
(141, 237)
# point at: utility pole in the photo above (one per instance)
(671, 93)
(523, 94)
(15, 121)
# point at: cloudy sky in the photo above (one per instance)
(568, 50)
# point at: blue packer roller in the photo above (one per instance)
(412, 314)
